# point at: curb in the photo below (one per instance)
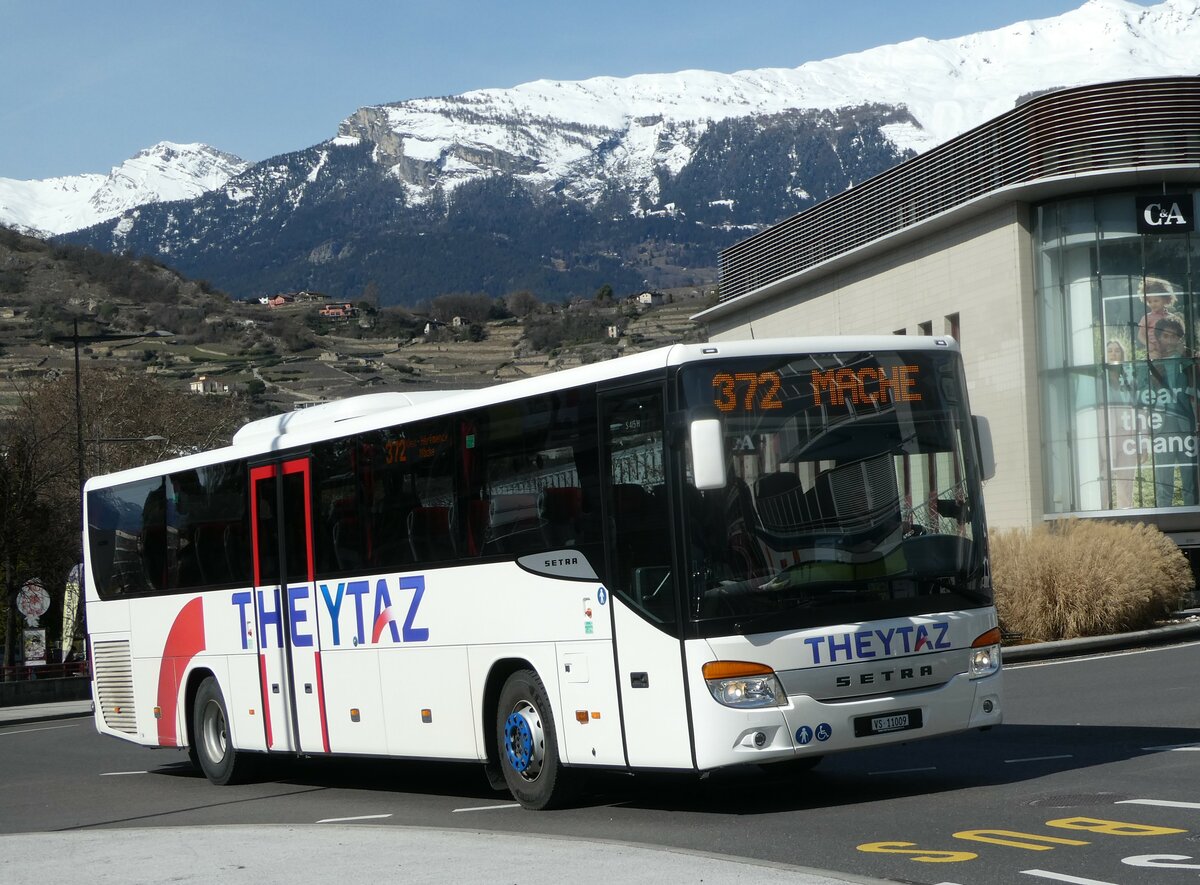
(66, 710)
(1065, 648)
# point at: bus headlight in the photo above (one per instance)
(985, 655)
(743, 684)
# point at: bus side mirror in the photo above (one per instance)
(985, 450)
(708, 453)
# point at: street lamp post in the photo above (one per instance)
(76, 339)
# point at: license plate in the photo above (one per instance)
(902, 720)
(889, 723)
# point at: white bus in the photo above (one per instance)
(697, 557)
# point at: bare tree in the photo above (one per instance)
(127, 420)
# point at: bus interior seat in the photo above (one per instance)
(209, 540)
(154, 556)
(347, 543)
(479, 511)
(779, 498)
(390, 547)
(560, 509)
(237, 552)
(429, 533)
(512, 520)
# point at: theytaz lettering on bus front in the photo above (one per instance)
(343, 600)
(866, 644)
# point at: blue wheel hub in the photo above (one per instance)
(524, 740)
(519, 742)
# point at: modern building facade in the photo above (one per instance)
(1057, 243)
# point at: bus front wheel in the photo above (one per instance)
(527, 745)
(213, 749)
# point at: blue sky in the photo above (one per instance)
(87, 84)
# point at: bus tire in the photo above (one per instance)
(215, 753)
(527, 746)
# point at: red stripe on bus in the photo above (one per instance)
(185, 640)
(262, 676)
(321, 702)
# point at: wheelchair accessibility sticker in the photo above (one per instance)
(804, 734)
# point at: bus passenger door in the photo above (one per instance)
(288, 635)
(642, 579)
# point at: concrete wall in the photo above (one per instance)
(981, 269)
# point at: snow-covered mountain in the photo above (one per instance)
(580, 136)
(559, 187)
(159, 174)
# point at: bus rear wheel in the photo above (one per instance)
(212, 747)
(527, 745)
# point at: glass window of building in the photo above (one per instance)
(1115, 281)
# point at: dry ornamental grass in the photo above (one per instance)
(1085, 578)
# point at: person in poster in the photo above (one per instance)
(1123, 455)
(1159, 296)
(1170, 394)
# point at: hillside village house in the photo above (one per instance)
(344, 310)
(208, 385)
(1051, 241)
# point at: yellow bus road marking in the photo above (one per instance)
(342, 820)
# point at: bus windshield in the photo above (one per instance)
(852, 492)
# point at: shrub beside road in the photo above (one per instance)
(1077, 578)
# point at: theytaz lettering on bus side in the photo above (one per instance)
(347, 595)
(876, 643)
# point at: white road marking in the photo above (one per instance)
(1063, 877)
(486, 808)
(904, 770)
(28, 730)
(342, 820)
(119, 773)
(1182, 748)
(1163, 803)
(1039, 758)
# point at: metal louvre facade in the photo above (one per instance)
(1129, 125)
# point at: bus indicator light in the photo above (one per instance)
(581, 716)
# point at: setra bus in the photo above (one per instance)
(691, 558)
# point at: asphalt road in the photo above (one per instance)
(1094, 778)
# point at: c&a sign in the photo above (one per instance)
(1166, 214)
